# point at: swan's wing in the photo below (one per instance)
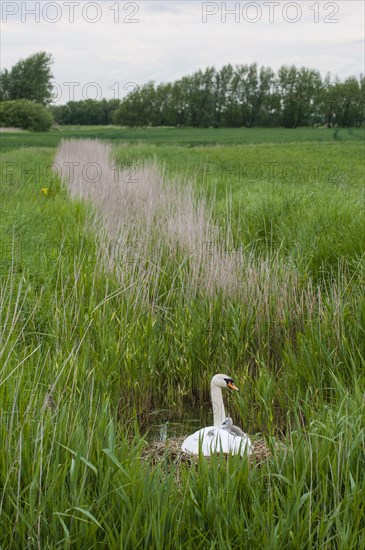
(201, 438)
(227, 442)
(215, 439)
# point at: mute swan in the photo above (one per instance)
(223, 436)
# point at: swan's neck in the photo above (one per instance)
(219, 414)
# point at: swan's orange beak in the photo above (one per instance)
(232, 386)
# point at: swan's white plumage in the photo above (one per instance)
(214, 439)
(223, 436)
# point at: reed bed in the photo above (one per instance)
(158, 232)
(92, 346)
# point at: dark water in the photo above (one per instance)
(169, 423)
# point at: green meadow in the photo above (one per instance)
(183, 136)
(96, 346)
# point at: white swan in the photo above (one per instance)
(223, 436)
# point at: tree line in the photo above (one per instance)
(240, 96)
(234, 96)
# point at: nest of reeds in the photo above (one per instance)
(170, 451)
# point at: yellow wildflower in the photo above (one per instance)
(45, 190)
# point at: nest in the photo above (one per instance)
(170, 451)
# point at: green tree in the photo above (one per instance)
(300, 91)
(30, 79)
(138, 108)
(22, 113)
(256, 90)
(232, 113)
(223, 80)
(328, 100)
(246, 95)
(208, 96)
(180, 106)
(343, 102)
(361, 114)
(88, 112)
(163, 115)
(109, 108)
(349, 103)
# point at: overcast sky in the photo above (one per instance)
(115, 44)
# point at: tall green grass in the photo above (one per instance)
(86, 361)
(303, 201)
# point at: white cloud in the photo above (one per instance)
(170, 39)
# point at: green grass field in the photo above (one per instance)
(183, 136)
(116, 339)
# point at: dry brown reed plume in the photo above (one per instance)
(150, 221)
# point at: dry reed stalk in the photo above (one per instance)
(147, 219)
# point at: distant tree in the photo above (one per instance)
(163, 115)
(269, 114)
(287, 77)
(232, 115)
(25, 114)
(361, 114)
(194, 98)
(30, 79)
(244, 95)
(257, 87)
(300, 91)
(348, 109)
(343, 102)
(138, 108)
(109, 108)
(179, 104)
(86, 112)
(61, 113)
(223, 80)
(208, 95)
(328, 101)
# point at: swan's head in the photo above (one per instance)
(223, 381)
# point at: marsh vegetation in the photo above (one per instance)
(124, 291)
